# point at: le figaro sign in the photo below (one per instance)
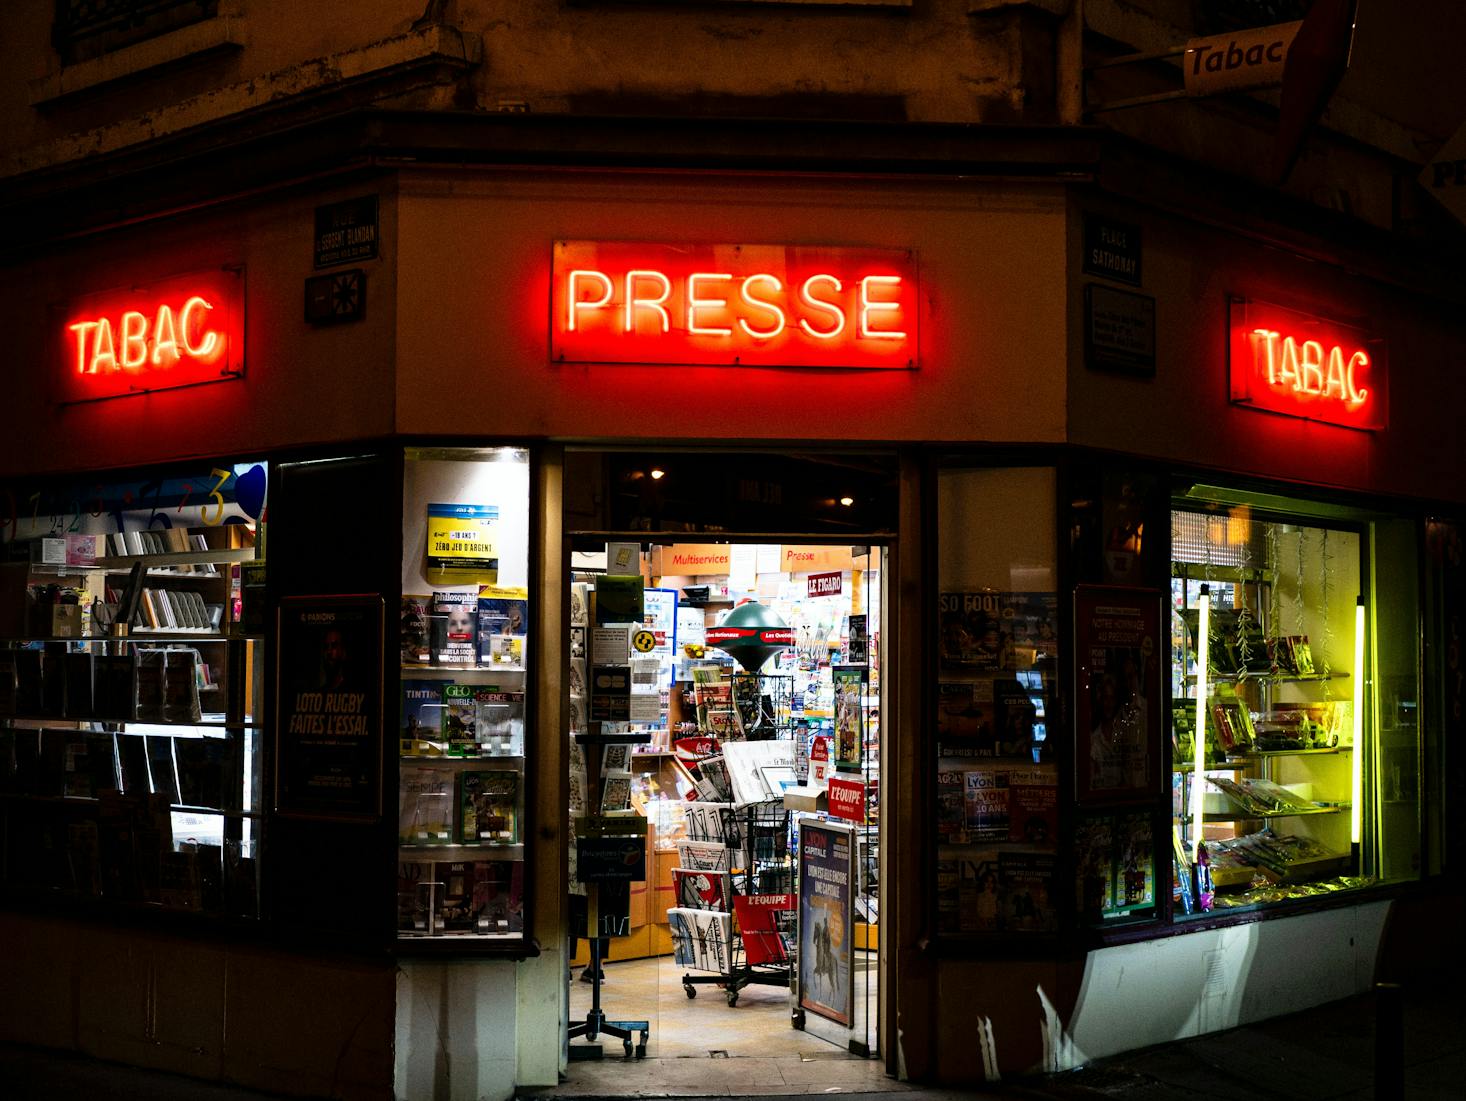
(747, 305)
(1293, 363)
(181, 331)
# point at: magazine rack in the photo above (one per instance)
(761, 944)
(596, 1024)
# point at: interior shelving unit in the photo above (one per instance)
(129, 754)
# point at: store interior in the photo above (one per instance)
(754, 682)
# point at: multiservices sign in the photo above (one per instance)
(1294, 363)
(182, 331)
(726, 305)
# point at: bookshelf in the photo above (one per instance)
(129, 752)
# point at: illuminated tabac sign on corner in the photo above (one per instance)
(749, 305)
(1293, 363)
(182, 331)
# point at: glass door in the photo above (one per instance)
(722, 696)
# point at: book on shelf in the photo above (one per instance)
(180, 886)
(1134, 862)
(1033, 805)
(482, 720)
(53, 682)
(1026, 884)
(80, 701)
(29, 693)
(422, 718)
(132, 756)
(951, 806)
(416, 635)
(8, 784)
(1181, 892)
(706, 822)
(615, 794)
(1094, 845)
(489, 807)
(27, 749)
(966, 722)
(985, 795)
(714, 785)
(498, 896)
(425, 805)
(702, 889)
(162, 767)
(579, 781)
(503, 625)
(76, 780)
(181, 685)
(458, 912)
(102, 762)
(705, 856)
(84, 857)
(460, 720)
(1262, 797)
(616, 760)
(151, 664)
(1014, 717)
(415, 902)
(208, 772)
(114, 686)
(50, 775)
(454, 628)
(498, 721)
(701, 939)
(9, 684)
(982, 906)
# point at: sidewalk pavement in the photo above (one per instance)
(1320, 1054)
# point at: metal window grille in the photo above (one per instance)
(1208, 537)
(88, 28)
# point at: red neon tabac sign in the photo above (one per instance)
(755, 305)
(1300, 365)
(182, 331)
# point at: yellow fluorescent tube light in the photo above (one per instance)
(1356, 809)
(1198, 778)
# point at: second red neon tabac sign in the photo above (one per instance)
(1293, 363)
(754, 305)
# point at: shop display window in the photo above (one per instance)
(131, 643)
(1294, 737)
(466, 619)
(997, 780)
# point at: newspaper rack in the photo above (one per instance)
(755, 944)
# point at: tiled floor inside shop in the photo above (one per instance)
(703, 1046)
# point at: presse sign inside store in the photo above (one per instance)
(1293, 363)
(181, 331)
(754, 305)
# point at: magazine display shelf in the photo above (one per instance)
(1277, 743)
(465, 891)
(757, 836)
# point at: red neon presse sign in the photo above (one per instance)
(1293, 363)
(182, 331)
(753, 305)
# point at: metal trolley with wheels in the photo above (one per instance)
(761, 945)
